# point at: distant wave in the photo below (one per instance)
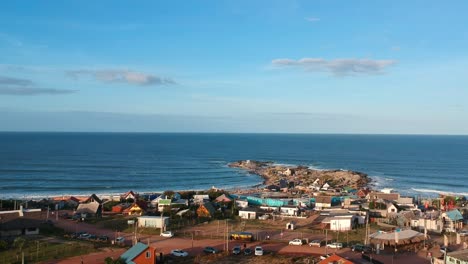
(439, 192)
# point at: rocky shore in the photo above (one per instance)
(273, 173)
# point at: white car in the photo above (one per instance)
(179, 253)
(167, 234)
(463, 233)
(258, 251)
(335, 245)
(120, 240)
(296, 242)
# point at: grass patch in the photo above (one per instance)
(37, 251)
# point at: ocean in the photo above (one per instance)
(46, 164)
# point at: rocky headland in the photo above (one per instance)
(304, 176)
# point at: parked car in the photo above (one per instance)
(211, 250)
(258, 251)
(120, 240)
(92, 237)
(103, 238)
(296, 242)
(335, 245)
(463, 233)
(445, 250)
(236, 250)
(84, 236)
(264, 217)
(179, 253)
(315, 243)
(167, 234)
(361, 248)
(247, 251)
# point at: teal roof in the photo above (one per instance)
(454, 215)
(133, 252)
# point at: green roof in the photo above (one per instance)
(165, 202)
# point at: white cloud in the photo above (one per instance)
(312, 19)
(122, 76)
(338, 67)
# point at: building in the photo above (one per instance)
(137, 208)
(88, 210)
(457, 257)
(341, 223)
(139, 254)
(242, 203)
(384, 196)
(200, 198)
(153, 221)
(335, 259)
(206, 210)
(163, 204)
(289, 210)
(249, 213)
(322, 202)
(20, 222)
(431, 225)
(129, 195)
(223, 199)
(120, 208)
(452, 220)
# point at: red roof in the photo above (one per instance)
(335, 259)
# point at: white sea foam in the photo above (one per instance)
(439, 192)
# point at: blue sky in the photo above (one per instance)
(234, 66)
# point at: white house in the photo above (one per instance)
(431, 225)
(201, 198)
(342, 223)
(248, 213)
(242, 203)
(322, 202)
(325, 186)
(289, 210)
(153, 221)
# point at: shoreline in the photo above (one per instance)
(269, 173)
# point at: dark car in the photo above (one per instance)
(236, 250)
(211, 250)
(247, 251)
(103, 238)
(361, 248)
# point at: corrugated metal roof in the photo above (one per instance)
(133, 252)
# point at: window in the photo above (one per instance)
(148, 254)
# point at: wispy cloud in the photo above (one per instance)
(338, 67)
(121, 76)
(8, 90)
(312, 19)
(18, 86)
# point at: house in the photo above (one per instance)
(206, 210)
(325, 186)
(249, 213)
(88, 210)
(289, 210)
(457, 257)
(130, 195)
(341, 222)
(272, 188)
(164, 204)
(452, 220)
(140, 254)
(154, 200)
(242, 203)
(20, 222)
(200, 198)
(120, 208)
(93, 199)
(137, 208)
(384, 196)
(431, 225)
(65, 201)
(322, 202)
(335, 259)
(180, 202)
(153, 221)
(223, 199)
(362, 193)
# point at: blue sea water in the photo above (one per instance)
(45, 164)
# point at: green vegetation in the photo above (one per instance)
(37, 251)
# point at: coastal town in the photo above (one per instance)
(298, 215)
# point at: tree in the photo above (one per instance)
(19, 243)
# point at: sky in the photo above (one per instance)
(372, 67)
